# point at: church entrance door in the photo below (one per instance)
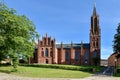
(46, 61)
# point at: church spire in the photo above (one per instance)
(95, 37)
(94, 10)
(95, 22)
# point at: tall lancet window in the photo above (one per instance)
(46, 52)
(67, 56)
(76, 55)
(86, 57)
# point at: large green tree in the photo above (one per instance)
(116, 45)
(17, 33)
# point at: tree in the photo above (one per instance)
(17, 33)
(116, 45)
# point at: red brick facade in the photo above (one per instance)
(48, 52)
(111, 60)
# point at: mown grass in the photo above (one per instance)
(45, 72)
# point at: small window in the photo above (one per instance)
(51, 49)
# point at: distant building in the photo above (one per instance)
(112, 61)
(104, 62)
(48, 52)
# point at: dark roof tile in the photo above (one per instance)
(85, 45)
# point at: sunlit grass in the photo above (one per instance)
(45, 72)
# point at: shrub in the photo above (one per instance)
(118, 70)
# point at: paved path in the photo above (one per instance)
(4, 76)
(107, 71)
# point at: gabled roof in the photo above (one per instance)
(85, 45)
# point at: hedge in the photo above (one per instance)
(65, 67)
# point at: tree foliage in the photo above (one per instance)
(17, 33)
(116, 45)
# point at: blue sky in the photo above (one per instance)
(69, 20)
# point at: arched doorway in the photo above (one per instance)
(46, 61)
(95, 58)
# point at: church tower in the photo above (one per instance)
(95, 38)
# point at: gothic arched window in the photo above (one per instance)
(97, 44)
(46, 52)
(93, 44)
(86, 56)
(66, 56)
(95, 54)
(76, 55)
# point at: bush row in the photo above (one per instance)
(65, 67)
(118, 70)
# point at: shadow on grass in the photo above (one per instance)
(8, 71)
(5, 71)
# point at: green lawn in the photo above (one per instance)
(66, 67)
(45, 72)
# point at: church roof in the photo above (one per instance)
(85, 45)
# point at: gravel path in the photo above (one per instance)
(4, 76)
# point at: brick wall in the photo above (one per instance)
(111, 60)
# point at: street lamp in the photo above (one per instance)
(115, 65)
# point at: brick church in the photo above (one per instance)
(48, 52)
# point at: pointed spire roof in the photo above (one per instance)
(71, 43)
(38, 41)
(46, 34)
(54, 39)
(94, 10)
